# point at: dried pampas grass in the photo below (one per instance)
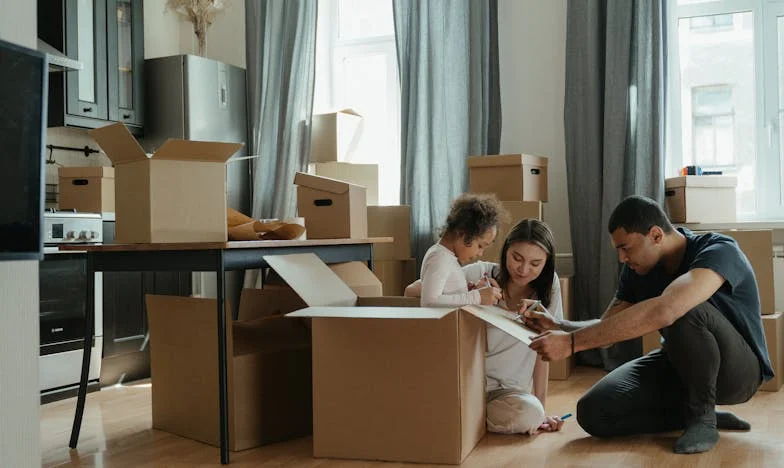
(201, 13)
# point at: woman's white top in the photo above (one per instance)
(508, 362)
(444, 281)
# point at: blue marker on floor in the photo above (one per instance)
(566, 416)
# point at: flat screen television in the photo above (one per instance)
(23, 97)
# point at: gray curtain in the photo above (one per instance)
(613, 120)
(450, 103)
(281, 57)
(280, 62)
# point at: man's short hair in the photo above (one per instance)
(638, 214)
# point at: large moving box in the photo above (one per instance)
(390, 221)
(512, 177)
(701, 199)
(86, 189)
(391, 383)
(364, 175)
(518, 210)
(561, 370)
(395, 275)
(757, 245)
(774, 337)
(176, 195)
(332, 209)
(269, 374)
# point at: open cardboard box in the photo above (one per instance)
(389, 382)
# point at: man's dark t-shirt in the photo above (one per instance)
(737, 298)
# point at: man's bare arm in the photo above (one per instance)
(686, 292)
(616, 305)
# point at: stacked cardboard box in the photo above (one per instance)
(392, 263)
(269, 371)
(518, 210)
(364, 175)
(774, 337)
(86, 189)
(694, 199)
(561, 370)
(332, 209)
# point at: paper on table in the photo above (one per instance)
(498, 317)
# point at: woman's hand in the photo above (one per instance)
(539, 318)
(551, 424)
(490, 295)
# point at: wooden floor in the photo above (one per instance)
(117, 433)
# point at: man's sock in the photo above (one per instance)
(698, 437)
(727, 420)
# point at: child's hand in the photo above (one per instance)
(551, 424)
(490, 295)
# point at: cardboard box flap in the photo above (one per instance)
(498, 318)
(204, 151)
(701, 181)
(118, 143)
(358, 277)
(86, 172)
(425, 313)
(324, 184)
(315, 283)
(496, 160)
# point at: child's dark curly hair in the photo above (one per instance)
(472, 214)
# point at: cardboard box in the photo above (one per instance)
(86, 189)
(365, 175)
(561, 370)
(774, 337)
(334, 135)
(332, 209)
(512, 177)
(392, 383)
(361, 280)
(757, 245)
(650, 342)
(390, 221)
(518, 210)
(701, 199)
(176, 195)
(268, 302)
(269, 374)
(395, 275)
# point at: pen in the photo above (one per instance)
(566, 416)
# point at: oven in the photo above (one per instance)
(63, 305)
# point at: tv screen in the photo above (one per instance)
(23, 96)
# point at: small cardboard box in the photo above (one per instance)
(365, 175)
(757, 245)
(86, 189)
(392, 383)
(701, 199)
(651, 341)
(518, 210)
(332, 209)
(512, 177)
(395, 275)
(269, 374)
(390, 221)
(176, 195)
(774, 337)
(561, 370)
(334, 135)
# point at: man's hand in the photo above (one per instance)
(539, 319)
(552, 345)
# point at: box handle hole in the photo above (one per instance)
(535, 171)
(669, 193)
(79, 182)
(323, 202)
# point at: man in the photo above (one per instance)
(699, 291)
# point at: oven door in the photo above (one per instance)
(63, 294)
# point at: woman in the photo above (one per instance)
(516, 377)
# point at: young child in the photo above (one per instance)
(470, 228)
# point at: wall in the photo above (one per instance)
(532, 41)
(19, 394)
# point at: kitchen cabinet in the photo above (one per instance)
(107, 37)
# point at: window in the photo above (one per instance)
(724, 105)
(356, 67)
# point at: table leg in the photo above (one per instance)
(89, 330)
(222, 361)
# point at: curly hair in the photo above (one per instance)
(473, 214)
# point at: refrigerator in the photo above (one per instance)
(197, 98)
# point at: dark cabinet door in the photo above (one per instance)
(125, 58)
(85, 40)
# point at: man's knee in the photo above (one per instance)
(592, 415)
(692, 320)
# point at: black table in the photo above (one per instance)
(202, 256)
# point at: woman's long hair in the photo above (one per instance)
(538, 233)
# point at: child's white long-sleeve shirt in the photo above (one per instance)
(443, 280)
